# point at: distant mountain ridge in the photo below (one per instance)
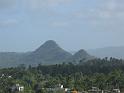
(48, 53)
(117, 52)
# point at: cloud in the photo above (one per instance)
(100, 12)
(7, 4)
(59, 24)
(106, 9)
(112, 8)
(8, 23)
(102, 15)
(39, 4)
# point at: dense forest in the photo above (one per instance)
(105, 74)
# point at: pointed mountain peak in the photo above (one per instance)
(81, 55)
(50, 47)
(81, 52)
(50, 52)
(50, 43)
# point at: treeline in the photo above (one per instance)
(106, 74)
(104, 65)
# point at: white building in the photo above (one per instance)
(116, 90)
(17, 87)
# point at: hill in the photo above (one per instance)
(81, 55)
(48, 53)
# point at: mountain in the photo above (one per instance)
(81, 55)
(117, 52)
(48, 53)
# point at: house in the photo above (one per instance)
(116, 91)
(71, 91)
(16, 88)
(9, 76)
(2, 76)
(67, 90)
(21, 88)
(61, 86)
(94, 90)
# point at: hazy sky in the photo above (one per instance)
(73, 24)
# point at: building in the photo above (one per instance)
(16, 88)
(116, 91)
(94, 90)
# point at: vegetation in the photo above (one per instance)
(48, 54)
(106, 74)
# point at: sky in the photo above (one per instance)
(73, 24)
